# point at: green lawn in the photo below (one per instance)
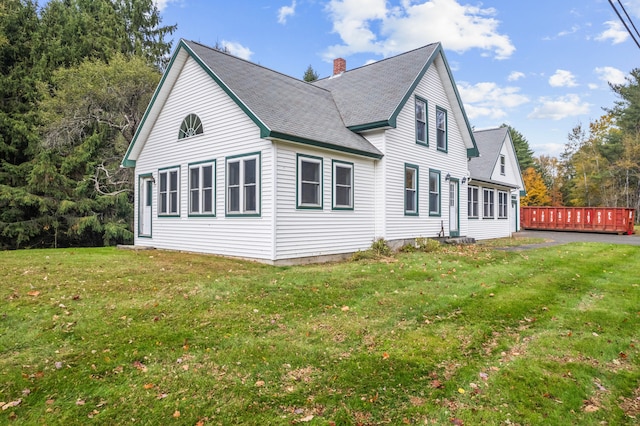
(465, 335)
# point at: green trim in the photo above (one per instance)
(439, 212)
(290, 138)
(215, 184)
(455, 233)
(333, 185)
(446, 129)
(141, 178)
(182, 45)
(425, 142)
(316, 160)
(263, 127)
(371, 126)
(126, 162)
(523, 193)
(471, 152)
(394, 116)
(257, 154)
(404, 188)
(161, 170)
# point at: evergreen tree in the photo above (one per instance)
(19, 210)
(310, 75)
(521, 145)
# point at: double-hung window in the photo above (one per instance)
(421, 122)
(410, 190)
(434, 193)
(201, 188)
(342, 185)
(502, 165)
(472, 200)
(441, 129)
(309, 182)
(168, 192)
(243, 185)
(502, 205)
(488, 203)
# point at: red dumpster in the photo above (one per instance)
(615, 220)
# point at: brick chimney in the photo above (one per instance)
(339, 66)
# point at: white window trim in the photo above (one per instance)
(242, 210)
(319, 190)
(342, 164)
(201, 190)
(473, 201)
(503, 166)
(503, 207)
(488, 202)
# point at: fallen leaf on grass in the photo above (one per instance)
(345, 308)
(259, 383)
(148, 386)
(80, 402)
(306, 419)
(176, 414)
(162, 395)
(11, 404)
(34, 293)
(140, 366)
(385, 355)
(456, 422)
(436, 384)
(590, 408)
(461, 391)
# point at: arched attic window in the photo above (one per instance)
(190, 126)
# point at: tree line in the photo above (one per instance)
(600, 164)
(75, 79)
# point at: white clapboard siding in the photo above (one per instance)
(228, 131)
(305, 232)
(482, 228)
(401, 148)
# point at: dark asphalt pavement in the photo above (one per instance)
(556, 237)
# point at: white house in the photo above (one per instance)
(493, 193)
(239, 160)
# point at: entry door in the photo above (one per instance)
(146, 197)
(454, 209)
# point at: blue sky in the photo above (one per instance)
(541, 66)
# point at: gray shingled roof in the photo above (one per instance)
(489, 143)
(286, 107)
(372, 93)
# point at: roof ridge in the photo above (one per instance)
(383, 60)
(253, 63)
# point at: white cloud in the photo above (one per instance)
(375, 26)
(236, 49)
(616, 33)
(285, 11)
(560, 107)
(562, 78)
(487, 99)
(515, 76)
(611, 75)
(162, 4)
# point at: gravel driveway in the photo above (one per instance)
(557, 237)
